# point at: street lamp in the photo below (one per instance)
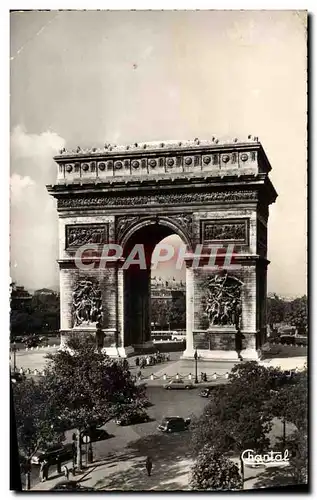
(14, 350)
(196, 358)
(242, 469)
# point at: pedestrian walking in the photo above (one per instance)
(137, 361)
(239, 337)
(47, 465)
(42, 468)
(66, 472)
(148, 465)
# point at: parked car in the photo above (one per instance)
(205, 393)
(133, 417)
(71, 486)
(179, 336)
(174, 424)
(51, 453)
(95, 434)
(288, 339)
(178, 384)
(17, 377)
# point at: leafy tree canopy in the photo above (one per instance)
(213, 471)
(36, 418)
(236, 417)
(87, 386)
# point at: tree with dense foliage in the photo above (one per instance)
(290, 404)
(275, 310)
(296, 313)
(88, 388)
(234, 419)
(30, 314)
(213, 471)
(37, 421)
(240, 414)
(46, 310)
(169, 313)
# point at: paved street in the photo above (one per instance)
(121, 458)
(35, 358)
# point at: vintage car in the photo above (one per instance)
(178, 384)
(174, 424)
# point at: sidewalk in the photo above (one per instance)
(124, 473)
(161, 373)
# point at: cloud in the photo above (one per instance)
(33, 213)
(24, 145)
(19, 187)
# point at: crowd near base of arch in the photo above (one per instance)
(114, 201)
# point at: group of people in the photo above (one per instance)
(44, 469)
(151, 360)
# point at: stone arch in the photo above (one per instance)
(136, 282)
(168, 222)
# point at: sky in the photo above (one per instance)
(88, 78)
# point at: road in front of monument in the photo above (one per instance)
(145, 439)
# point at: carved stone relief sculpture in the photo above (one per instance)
(78, 235)
(224, 231)
(223, 301)
(87, 304)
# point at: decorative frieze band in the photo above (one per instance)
(159, 199)
(151, 164)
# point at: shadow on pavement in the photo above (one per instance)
(171, 464)
(275, 476)
(166, 476)
(163, 446)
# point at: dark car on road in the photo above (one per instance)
(71, 486)
(174, 424)
(178, 384)
(17, 377)
(52, 453)
(133, 417)
(205, 393)
(96, 434)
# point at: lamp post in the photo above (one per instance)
(14, 350)
(242, 470)
(196, 358)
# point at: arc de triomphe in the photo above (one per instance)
(212, 194)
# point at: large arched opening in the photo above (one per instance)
(138, 269)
